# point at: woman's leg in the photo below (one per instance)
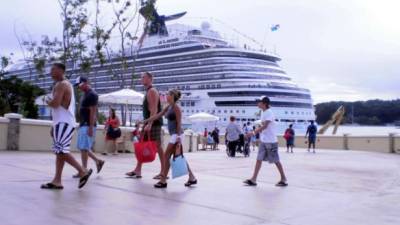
(167, 155)
(115, 146)
(191, 175)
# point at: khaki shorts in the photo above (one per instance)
(268, 152)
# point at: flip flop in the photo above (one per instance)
(76, 176)
(51, 186)
(281, 184)
(159, 176)
(100, 165)
(250, 182)
(84, 179)
(161, 185)
(190, 183)
(133, 175)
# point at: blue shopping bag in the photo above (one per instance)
(179, 165)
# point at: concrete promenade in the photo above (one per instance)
(330, 188)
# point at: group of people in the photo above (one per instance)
(235, 137)
(311, 135)
(62, 103)
(211, 138)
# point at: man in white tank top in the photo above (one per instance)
(63, 112)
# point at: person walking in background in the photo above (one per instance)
(215, 136)
(204, 139)
(254, 139)
(268, 149)
(173, 114)
(232, 136)
(289, 137)
(151, 107)
(87, 124)
(312, 135)
(136, 133)
(63, 114)
(113, 132)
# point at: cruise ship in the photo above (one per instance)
(214, 75)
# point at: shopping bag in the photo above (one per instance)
(178, 164)
(145, 151)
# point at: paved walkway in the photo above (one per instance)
(330, 187)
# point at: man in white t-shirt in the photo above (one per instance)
(268, 148)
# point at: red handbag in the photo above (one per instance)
(145, 151)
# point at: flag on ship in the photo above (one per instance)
(275, 27)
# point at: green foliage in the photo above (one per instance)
(19, 97)
(372, 112)
(4, 62)
(101, 118)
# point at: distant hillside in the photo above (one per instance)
(372, 112)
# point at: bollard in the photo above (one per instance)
(197, 142)
(13, 131)
(391, 143)
(191, 142)
(346, 141)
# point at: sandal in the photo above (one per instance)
(250, 182)
(133, 175)
(190, 183)
(160, 185)
(84, 179)
(51, 186)
(159, 176)
(100, 165)
(282, 184)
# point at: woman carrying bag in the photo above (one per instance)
(174, 116)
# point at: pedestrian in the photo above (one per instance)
(87, 124)
(312, 135)
(232, 136)
(215, 136)
(151, 107)
(254, 139)
(173, 114)
(268, 149)
(289, 137)
(113, 132)
(63, 114)
(204, 139)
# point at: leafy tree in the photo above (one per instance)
(5, 61)
(19, 97)
(371, 112)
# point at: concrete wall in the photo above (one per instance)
(397, 143)
(378, 143)
(35, 135)
(3, 132)
(325, 142)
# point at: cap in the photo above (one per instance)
(79, 80)
(263, 99)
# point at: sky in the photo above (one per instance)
(339, 49)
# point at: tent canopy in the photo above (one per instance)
(203, 117)
(123, 96)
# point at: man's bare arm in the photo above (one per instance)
(153, 99)
(58, 95)
(92, 116)
(260, 129)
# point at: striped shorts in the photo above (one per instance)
(62, 137)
